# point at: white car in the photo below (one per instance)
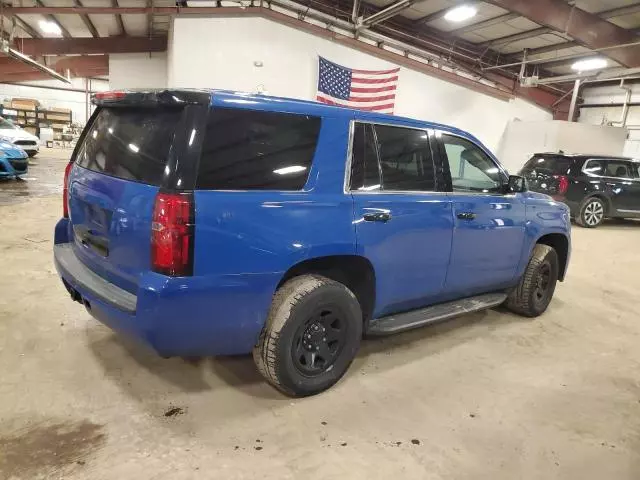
(14, 134)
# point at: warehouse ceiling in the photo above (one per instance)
(485, 51)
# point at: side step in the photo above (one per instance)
(436, 313)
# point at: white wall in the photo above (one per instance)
(522, 139)
(228, 47)
(139, 70)
(74, 100)
(612, 115)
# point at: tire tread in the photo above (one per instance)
(519, 299)
(287, 296)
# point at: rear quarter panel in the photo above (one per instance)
(264, 231)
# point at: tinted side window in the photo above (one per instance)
(254, 150)
(472, 170)
(548, 164)
(594, 167)
(365, 174)
(617, 169)
(405, 159)
(130, 143)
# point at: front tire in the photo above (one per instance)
(592, 213)
(32, 154)
(534, 292)
(311, 336)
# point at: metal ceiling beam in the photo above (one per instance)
(516, 37)
(52, 18)
(620, 11)
(85, 46)
(487, 23)
(552, 48)
(87, 21)
(613, 13)
(27, 28)
(123, 31)
(587, 28)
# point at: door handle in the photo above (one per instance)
(466, 215)
(377, 217)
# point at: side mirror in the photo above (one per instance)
(517, 184)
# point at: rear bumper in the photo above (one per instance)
(182, 316)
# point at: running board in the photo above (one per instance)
(436, 313)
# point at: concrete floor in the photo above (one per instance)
(487, 396)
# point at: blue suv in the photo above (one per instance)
(218, 223)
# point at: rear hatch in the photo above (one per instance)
(132, 148)
(547, 174)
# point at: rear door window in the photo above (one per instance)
(618, 169)
(365, 172)
(406, 162)
(130, 143)
(256, 150)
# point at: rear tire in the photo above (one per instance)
(534, 292)
(592, 213)
(311, 336)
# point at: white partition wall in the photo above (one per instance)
(256, 54)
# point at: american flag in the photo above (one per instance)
(373, 90)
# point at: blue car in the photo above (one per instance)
(14, 162)
(218, 223)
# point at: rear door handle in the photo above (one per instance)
(377, 217)
(466, 215)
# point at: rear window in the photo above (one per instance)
(549, 164)
(130, 143)
(254, 150)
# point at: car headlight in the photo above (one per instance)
(5, 139)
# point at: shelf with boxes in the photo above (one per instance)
(28, 114)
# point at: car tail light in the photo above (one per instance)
(111, 95)
(65, 190)
(172, 234)
(563, 183)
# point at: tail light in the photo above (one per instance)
(65, 190)
(110, 95)
(172, 234)
(563, 183)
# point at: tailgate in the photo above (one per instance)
(122, 161)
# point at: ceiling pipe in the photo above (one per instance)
(385, 13)
(38, 66)
(625, 106)
(564, 57)
(604, 75)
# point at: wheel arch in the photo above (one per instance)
(560, 243)
(601, 196)
(354, 271)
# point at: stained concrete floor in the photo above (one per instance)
(487, 396)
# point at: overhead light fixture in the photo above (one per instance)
(461, 13)
(50, 27)
(589, 64)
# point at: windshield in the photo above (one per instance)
(7, 125)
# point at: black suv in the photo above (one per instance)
(593, 186)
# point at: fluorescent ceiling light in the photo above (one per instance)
(291, 169)
(133, 147)
(461, 13)
(50, 27)
(589, 64)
